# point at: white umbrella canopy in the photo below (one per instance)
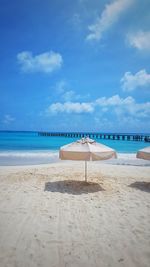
(86, 149)
(144, 153)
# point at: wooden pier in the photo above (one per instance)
(110, 136)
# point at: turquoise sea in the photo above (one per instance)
(28, 147)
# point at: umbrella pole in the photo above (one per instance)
(85, 171)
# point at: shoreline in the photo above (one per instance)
(34, 158)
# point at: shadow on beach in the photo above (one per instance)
(73, 187)
(144, 186)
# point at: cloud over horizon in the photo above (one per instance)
(46, 62)
(121, 107)
(70, 107)
(132, 81)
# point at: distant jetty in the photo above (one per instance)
(110, 136)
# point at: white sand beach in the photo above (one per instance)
(50, 218)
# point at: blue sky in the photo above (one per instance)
(75, 65)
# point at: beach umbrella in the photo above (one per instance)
(86, 149)
(144, 153)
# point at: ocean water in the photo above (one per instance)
(17, 148)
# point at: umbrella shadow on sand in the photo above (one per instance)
(73, 187)
(144, 186)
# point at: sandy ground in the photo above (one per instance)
(49, 217)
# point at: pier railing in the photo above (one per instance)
(111, 136)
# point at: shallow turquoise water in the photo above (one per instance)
(29, 141)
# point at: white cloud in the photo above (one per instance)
(61, 86)
(134, 110)
(124, 107)
(140, 40)
(131, 81)
(70, 107)
(63, 89)
(46, 62)
(120, 107)
(109, 16)
(113, 101)
(8, 119)
(70, 95)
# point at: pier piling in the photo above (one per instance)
(110, 136)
